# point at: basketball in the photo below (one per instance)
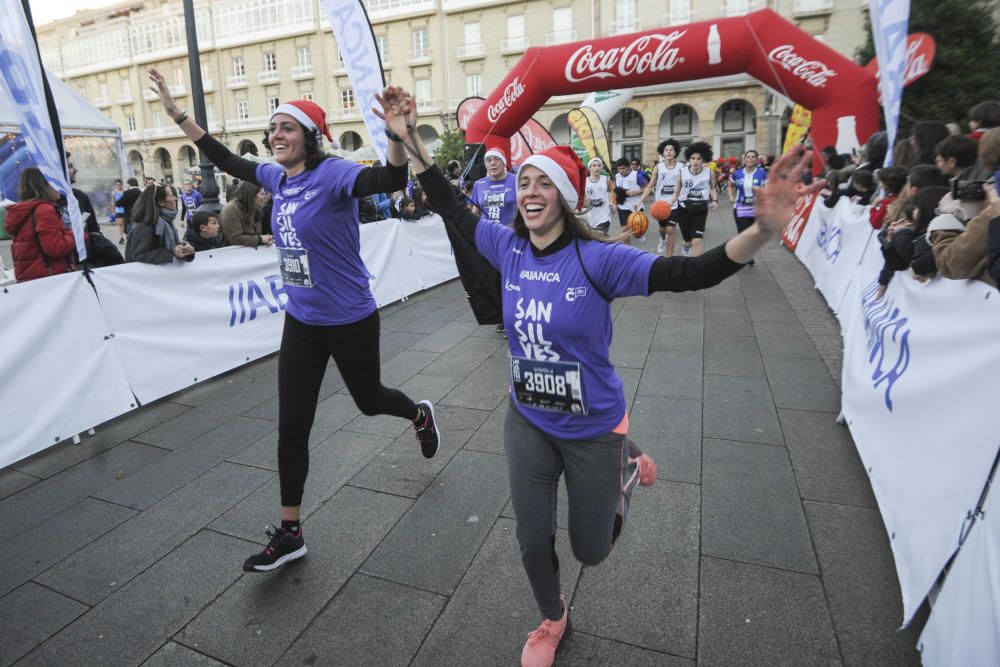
(660, 209)
(638, 223)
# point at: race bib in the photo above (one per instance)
(294, 266)
(548, 385)
(667, 189)
(748, 202)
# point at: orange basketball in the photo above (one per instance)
(660, 209)
(638, 223)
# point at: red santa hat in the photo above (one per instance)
(309, 114)
(496, 152)
(563, 166)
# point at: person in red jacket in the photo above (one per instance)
(42, 246)
(892, 179)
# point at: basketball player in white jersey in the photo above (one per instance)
(600, 197)
(695, 196)
(627, 191)
(665, 181)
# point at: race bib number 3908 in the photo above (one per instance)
(548, 385)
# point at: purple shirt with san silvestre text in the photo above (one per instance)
(496, 199)
(314, 210)
(552, 312)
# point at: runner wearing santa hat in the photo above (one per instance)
(330, 309)
(568, 413)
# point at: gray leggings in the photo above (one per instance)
(599, 482)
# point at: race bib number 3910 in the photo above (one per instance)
(548, 385)
(294, 266)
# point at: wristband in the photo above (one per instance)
(183, 117)
(392, 135)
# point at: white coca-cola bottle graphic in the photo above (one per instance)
(714, 45)
(847, 136)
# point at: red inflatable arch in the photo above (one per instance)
(762, 44)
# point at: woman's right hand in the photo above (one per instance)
(266, 239)
(160, 87)
(182, 250)
(399, 110)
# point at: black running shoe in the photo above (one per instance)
(283, 548)
(428, 434)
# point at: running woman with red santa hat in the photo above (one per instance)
(568, 414)
(330, 310)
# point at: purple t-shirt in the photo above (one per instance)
(497, 199)
(552, 312)
(315, 212)
(192, 200)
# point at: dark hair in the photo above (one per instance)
(246, 197)
(134, 182)
(927, 134)
(314, 151)
(406, 201)
(836, 162)
(751, 150)
(965, 150)
(31, 184)
(202, 218)
(926, 202)
(701, 148)
(668, 142)
(904, 153)
(147, 207)
(893, 178)
(875, 149)
(622, 162)
(419, 195)
(987, 114)
(925, 176)
(118, 180)
(863, 178)
(829, 152)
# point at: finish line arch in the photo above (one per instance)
(762, 44)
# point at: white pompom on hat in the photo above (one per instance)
(564, 167)
(309, 114)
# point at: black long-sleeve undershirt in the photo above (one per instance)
(370, 180)
(667, 274)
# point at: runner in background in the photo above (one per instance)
(696, 195)
(742, 184)
(666, 180)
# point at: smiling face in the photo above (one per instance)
(495, 167)
(287, 140)
(750, 160)
(538, 201)
(595, 169)
(622, 169)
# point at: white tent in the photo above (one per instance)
(75, 114)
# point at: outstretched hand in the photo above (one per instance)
(775, 202)
(159, 86)
(399, 110)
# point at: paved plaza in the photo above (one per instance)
(760, 543)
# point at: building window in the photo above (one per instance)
(421, 44)
(625, 13)
(131, 123)
(474, 85)
(680, 11)
(562, 19)
(272, 104)
(83, 91)
(515, 25)
(102, 90)
(347, 98)
(422, 89)
(179, 75)
(307, 96)
(305, 57)
(631, 123)
(126, 88)
(270, 62)
(472, 35)
(157, 119)
(680, 120)
(737, 7)
(238, 68)
(382, 42)
(210, 113)
(243, 110)
(632, 152)
(732, 116)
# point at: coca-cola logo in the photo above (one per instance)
(513, 91)
(647, 54)
(812, 72)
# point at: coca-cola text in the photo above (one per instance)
(812, 72)
(649, 53)
(510, 95)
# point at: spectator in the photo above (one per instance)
(892, 180)
(874, 150)
(423, 207)
(117, 216)
(241, 223)
(454, 173)
(955, 154)
(859, 189)
(984, 117)
(191, 200)
(904, 153)
(383, 206)
(927, 134)
(90, 222)
(149, 180)
(921, 176)
(203, 232)
(641, 177)
(42, 245)
(154, 239)
(129, 197)
(408, 209)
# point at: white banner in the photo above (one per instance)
(427, 242)
(21, 81)
(919, 396)
(964, 626)
(890, 19)
(356, 41)
(59, 375)
(391, 269)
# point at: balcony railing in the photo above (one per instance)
(302, 72)
(812, 6)
(350, 113)
(514, 44)
(162, 132)
(125, 99)
(560, 37)
(428, 106)
(236, 81)
(268, 76)
(472, 50)
(738, 7)
(207, 85)
(102, 102)
(247, 123)
(678, 16)
(420, 56)
(149, 95)
(625, 26)
(178, 90)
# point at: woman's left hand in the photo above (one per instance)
(775, 202)
(399, 110)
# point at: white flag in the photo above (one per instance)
(890, 19)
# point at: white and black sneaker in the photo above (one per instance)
(283, 547)
(428, 434)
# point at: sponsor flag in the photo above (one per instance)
(890, 19)
(798, 124)
(356, 42)
(920, 51)
(589, 138)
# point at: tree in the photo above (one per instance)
(966, 70)
(452, 147)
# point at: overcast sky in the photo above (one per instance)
(45, 11)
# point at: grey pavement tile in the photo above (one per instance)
(464, 357)
(30, 615)
(492, 611)
(771, 309)
(784, 339)
(630, 383)
(687, 305)
(675, 333)
(133, 623)
(733, 355)
(260, 616)
(108, 563)
(740, 408)
(401, 468)
(403, 366)
(581, 648)
(669, 430)
(640, 316)
(53, 495)
(430, 320)
(727, 321)
(433, 388)
(383, 426)
(751, 511)
(12, 481)
(392, 343)
(164, 476)
(489, 437)
(485, 388)
(173, 654)
(825, 460)
(65, 455)
(369, 622)
(752, 615)
(672, 374)
(629, 347)
(646, 592)
(332, 464)
(725, 295)
(802, 384)
(331, 415)
(44, 544)
(861, 585)
(445, 338)
(433, 544)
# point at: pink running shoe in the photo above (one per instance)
(647, 469)
(540, 649)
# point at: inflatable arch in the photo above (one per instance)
(842, 95)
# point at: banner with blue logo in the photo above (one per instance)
(890, 19)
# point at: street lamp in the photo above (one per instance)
(209, 188)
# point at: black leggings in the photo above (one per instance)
(743, 223)
(305, 351)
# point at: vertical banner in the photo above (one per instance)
(356, 41)
(791, 234)
(798, 124)
(890, 19)
(22, 80)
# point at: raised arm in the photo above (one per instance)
(392, 177)
(650, 185)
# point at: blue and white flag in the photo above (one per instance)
(23, 81)
(890, 20)
(356, 41)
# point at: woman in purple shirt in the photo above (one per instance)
(567, 413)
(330, 309)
